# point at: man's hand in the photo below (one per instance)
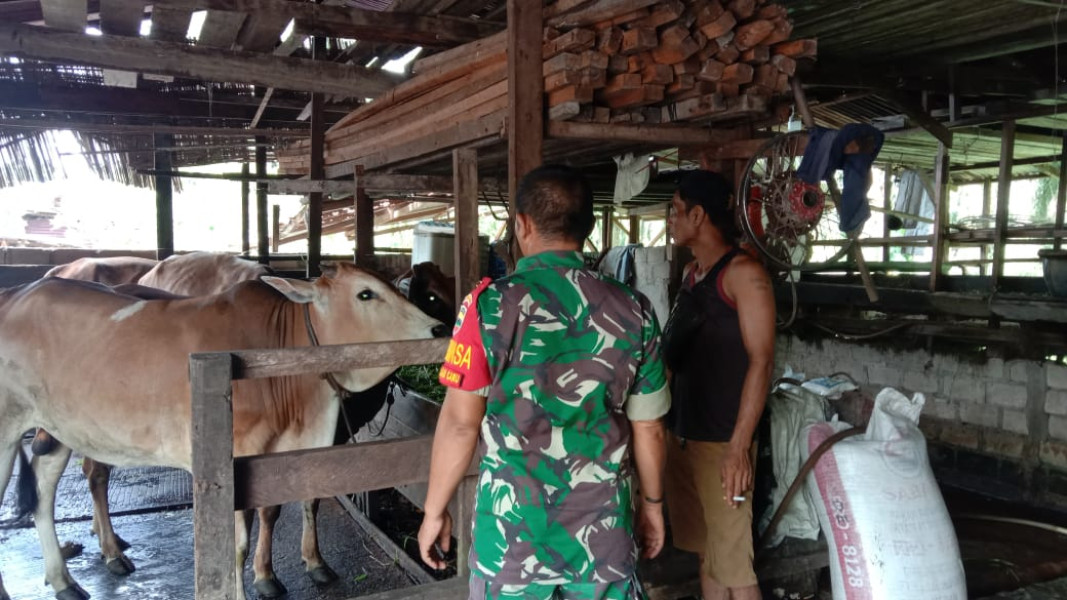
(736, 473)
(435, 530)
(651, 532)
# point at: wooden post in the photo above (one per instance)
(465, 176)
(635, 229)
(276, 228)
(1007, 155)
(941, 216)
(364, 224)
(261, 201)
(1061, 196)
(164, 197)
(214, 551)
(887, 203)
(987, 206)
(526, 87)
(245, 192)
(606, 230)
(464, 517)
(318, 168)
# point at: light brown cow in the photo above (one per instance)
(201, 273)
(115, 270)
(108, 374)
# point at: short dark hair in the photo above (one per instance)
(712, 192)
(559, 200)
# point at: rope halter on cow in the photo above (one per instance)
(343, 395)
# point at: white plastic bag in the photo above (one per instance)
(791, 408)
(889, 533)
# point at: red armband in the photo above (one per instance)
(466, 366)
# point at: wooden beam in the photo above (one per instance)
(606, 229)
(992, 164)
(23, 11)
(526, 88)
(350, 22)
(597, 12)
(170, 24)
(181, 60)
(164, 199)
(257, 364)
(214, 550)
(220, 28)
(317, 168)
(245, 193)
(921, 118)
(1007, 156)
(634, 231)
(118, 128)
(647, 134)
(276, 228)
(121, 17)
(941, 205)
(468, 269)
(66, 15)
(394, 27)
(263, 242)
(887, 200)
(364, 223)
(987, 204)
(1061, 189)
(488, 128)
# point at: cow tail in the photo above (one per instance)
(26, 497)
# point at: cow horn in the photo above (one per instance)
(328, 269)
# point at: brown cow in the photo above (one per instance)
(115, 270)
(431, 290)
(201, 273)
(108, 375)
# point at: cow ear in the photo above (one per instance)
(301, 292)
(328, 269)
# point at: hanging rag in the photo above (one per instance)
(618, 262)
(632, 177)
(825, 154)
(915, 197)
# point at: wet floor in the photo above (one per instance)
(162, 545)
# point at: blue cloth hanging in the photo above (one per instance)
(825, 154)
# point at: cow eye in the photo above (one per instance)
(432, 297)
(366, 295)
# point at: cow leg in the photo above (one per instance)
(266, 584)
(49, 468)
(316, 568)
(10, 445)
(242, 527)
(99, 474)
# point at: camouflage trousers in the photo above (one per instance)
(625, 589)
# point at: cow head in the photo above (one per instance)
(351, 306)
(433, 292)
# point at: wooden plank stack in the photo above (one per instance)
(605, 61)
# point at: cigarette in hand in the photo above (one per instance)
(739, 498)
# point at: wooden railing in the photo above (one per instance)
(223, 484)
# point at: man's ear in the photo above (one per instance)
(296, 290)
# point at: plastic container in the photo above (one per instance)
(1055, 265)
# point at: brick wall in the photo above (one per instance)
(994, 426)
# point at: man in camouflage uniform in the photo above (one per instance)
(559, 371)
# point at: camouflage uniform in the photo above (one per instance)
(566, 359)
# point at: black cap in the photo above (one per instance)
(706, 189)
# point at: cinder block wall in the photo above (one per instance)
(993, 426)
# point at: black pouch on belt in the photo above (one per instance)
(684, 322)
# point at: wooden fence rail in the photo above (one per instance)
(223, 484)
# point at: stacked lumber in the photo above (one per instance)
(605, 61)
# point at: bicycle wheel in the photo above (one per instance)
(793, 224)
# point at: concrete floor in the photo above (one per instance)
(158, 524)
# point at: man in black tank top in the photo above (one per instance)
(719, 344)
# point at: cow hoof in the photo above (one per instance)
(269, 588)
(322, 575)
(122, 544)
(70, 550)
(120, 565)
(73, 592)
